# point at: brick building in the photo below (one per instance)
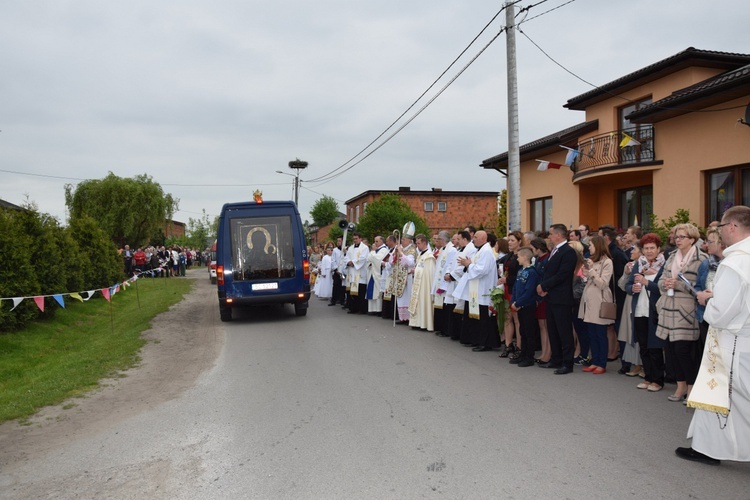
(441, 210)
(174, 228)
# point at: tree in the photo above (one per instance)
(387, 213)
(128, 210)
(324, 211)
(502, 216)
(199, 232)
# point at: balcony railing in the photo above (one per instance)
(604, 149)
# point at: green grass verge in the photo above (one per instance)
(66, 356)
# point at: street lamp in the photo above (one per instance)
(297, 165)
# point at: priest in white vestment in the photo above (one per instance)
(420, 305)
(402, 275)
(356, 258)
(447, 252)
(374, 268)
(474, 288)
(466, 249)
(720, 427)
(324, 282)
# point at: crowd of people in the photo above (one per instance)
(161, 261)
(570, 297)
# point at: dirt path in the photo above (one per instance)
(182, 343)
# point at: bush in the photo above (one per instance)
(39, 257)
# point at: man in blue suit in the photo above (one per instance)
(556, 287)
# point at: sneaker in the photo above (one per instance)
(579, 360)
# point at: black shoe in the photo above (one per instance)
(549, 364)
(515, 361)
(524, 363)
(623, 371)
(481, 348)
(695, 456)
(563, 370)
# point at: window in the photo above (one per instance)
(364, 208)
(635, 206)
(442, 206)
(541, 214)
(262, 248)
(641, 133)
(356, 214)
(724, 191)
(428, 206)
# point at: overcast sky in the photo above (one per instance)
(212, 98)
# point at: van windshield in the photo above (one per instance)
(262, 248)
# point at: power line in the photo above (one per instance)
(325, 177)
(618, 95)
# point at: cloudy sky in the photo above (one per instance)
(212, 98)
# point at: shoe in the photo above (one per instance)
(505, 351)
(525, 362)
(675, 398)
(632, 373)
(622, 370)
(654, 387)
(695, 456)
(563, 370)
(481, 348)
(515, 355)
(643, 385)
(579, 360)
(589, 368)
(515, 361)
(549, 364)
(599, 370)
(642, 374)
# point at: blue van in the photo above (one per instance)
(261, 257)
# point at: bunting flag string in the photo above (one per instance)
(108, 293)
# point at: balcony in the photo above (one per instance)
(604, 150)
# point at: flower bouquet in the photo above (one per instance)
(499, 305)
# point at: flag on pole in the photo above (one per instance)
(628, 141)
(570, 158)
(544, 165)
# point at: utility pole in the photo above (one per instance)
(297, 165)
(514, 155)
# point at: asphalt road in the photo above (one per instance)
(342, 406)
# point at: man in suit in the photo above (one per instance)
(556, 287)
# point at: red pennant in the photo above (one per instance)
(556, 166)
(39, 303)
(105, 292)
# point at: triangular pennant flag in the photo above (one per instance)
(59, 299)
(105, 292)
(16, 301)
(556, 166)
(112, 291)
(39, 302)
(77, 296)
(628, 141)
(89, 294)
(543, 165)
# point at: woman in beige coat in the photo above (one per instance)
(677, 308)
(597, 272)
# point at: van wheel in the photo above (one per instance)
(300, 309)
(225, 313)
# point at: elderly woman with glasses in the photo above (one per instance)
(678, 321)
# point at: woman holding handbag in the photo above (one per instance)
(597, 301)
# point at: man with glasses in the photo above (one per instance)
(720, 428)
